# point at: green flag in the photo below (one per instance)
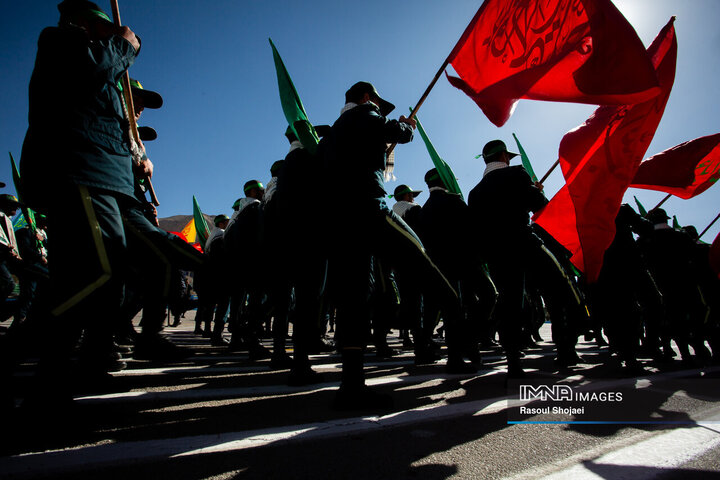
(19, 222)
(201, 226)
(641, 209)
(525, 160)
(446, 174)
(292, 106)
(28, 214)
(676, 224)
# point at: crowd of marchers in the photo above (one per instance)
(94, 256)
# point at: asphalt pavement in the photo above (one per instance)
(217, 415)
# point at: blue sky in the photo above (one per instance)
(222, 123)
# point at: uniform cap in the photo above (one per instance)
(403, 189)
(494, 147)
(219, 219)
(357, 91)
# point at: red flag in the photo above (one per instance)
(180, 234)
(580, 51)
(599, 160)
(715, 255)
(685, 170)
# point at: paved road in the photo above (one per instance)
(220, 416)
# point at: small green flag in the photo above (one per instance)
(676, 224)
(641, 209)
(201, 226)
(292, 106)
(446, 174)
(19, 222)
(28, 214)
(525, 160)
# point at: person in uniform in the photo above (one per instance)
(243, 246)
(301, 263)
(670, 256)
(363, 227)
(410, 309)
(77, 163)
(32, 245)
(500, 204)
(217, 289)
(10, 258)
(405, 205)
(625, 294)
(448, 233)
(156, 254)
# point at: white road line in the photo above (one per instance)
(265, 368)
(191, 369)
(666, 449)
(196, 393)
(403, 360)
(64, 461)
(663, 451)
(695, 441)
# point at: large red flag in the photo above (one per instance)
(580, 51)
(599, 160)
(685, 170)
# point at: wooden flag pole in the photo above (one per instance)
(130, 107)
(430, 87)
(708, 227)
(663, 201)
(441, 69)
(554, 166)
(423, 98)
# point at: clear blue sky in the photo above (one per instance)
(222, 123)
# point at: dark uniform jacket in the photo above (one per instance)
(299, 176)
(243, 242)
(77, 128)
(670, 258)
(501, 203)
(447, 233)
(355, 157)
(623, 260)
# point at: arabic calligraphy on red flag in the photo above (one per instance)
(580, 51)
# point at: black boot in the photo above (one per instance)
(353, 394)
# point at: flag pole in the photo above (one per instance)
(708, 227)
(430, 87)
(442, 68)
(423, 98)
(554, 166)
(130, 107)
(663, 200)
